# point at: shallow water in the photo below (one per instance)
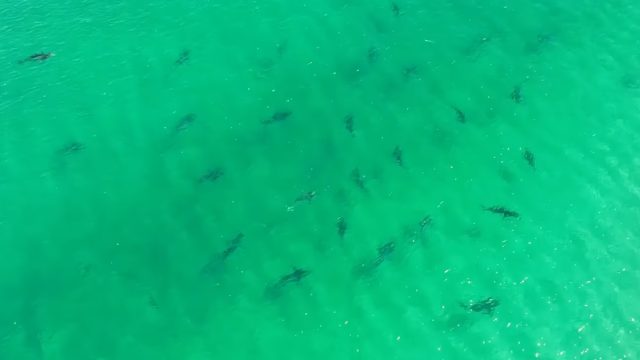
(132, 159)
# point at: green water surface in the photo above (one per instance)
(114, 244)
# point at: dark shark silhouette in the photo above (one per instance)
(529, 158)
(398, 156)
(37, 57)
(460, 116)
(295, 276)
(279, 116)
(395, 9)
(486, 306)
(185, 122)
(373, 54)
(71, 148)
(307, 196)
(212, 175)
(348, 124)
(184, 56)
(501, 210)
(425, 222)
(410, 72)
(384, 251)
(341, 227)
(516, 94)
(358, 179)
(414, 234)
(217, 260)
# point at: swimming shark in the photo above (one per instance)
(71, 148)
(307, 196)
(358, 179)
(460, 116)
(37, 57)
(384, 251)
(185, 122)
(295, 276)
(398, 156)
(212, 175)
(342, 227)
(216, 261)
(501, 210)
(183, 57)
(529, 158)
(277, 117)
(348, 124)
(516, 94)
(486, 306)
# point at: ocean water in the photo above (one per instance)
(167, 171)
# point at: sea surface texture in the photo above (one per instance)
(322, 179)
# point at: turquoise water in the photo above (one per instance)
(132, 159)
